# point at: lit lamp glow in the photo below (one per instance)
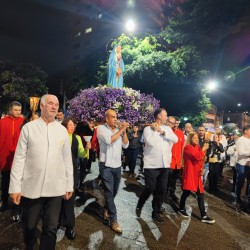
(130, 25)
(34, 101)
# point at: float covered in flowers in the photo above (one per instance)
(131, 105)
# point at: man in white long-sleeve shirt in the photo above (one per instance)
(111, 140)
(42, 173)
(242, 166)
(158, 139)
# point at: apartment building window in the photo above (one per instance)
(88, 30)
(78, 34)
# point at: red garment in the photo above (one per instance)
(177, 150)
(9, 132)
(193, 163)
(95, 143)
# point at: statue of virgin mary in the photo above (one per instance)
(116, 68)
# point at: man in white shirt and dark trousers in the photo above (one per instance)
(242, 166)
(111, 140)
(158, 139)
(42, 174)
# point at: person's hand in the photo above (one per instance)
(16, 198)
(205, 147)
(88, 145)
(67, 196)
(124, 126)
(155, 126)
(202, 171)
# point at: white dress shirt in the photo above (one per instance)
(42, 165)
(110, 153)
(243, 150)
(157, 150)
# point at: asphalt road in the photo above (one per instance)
(231, 230)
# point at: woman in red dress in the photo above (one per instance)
(193, 169)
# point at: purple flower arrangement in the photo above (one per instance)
(131, 105)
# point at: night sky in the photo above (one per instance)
(36, 31)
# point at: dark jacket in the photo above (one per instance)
(214, 150)
(134, 142)
(74, 151)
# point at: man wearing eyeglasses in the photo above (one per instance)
(177, 150)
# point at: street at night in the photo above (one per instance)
(161, 86)
(230, 231)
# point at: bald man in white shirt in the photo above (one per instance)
(111, 140)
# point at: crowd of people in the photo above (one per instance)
(45, 157)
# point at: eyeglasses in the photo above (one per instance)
(171, 122)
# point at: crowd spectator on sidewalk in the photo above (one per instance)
(158, 139)
(176, 162)
(60, 115)
(111, 140)
(10, 127)
(243, 166)
(187, 129)
(223, 141)
(203, 138)
(86, 129)
(42, 174)
(133, 149)
(213, 154)
(67, 215)
(194, 158)
(232, 154)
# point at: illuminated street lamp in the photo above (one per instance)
(130, 25)
(239, 104)
(211, 85)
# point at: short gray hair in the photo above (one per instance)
(43, 98)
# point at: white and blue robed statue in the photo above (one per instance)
(116, 68)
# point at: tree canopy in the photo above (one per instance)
(20, 81)
(175, 63)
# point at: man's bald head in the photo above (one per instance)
(111, 118)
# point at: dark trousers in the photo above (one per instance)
(111, 179)
(243, 172)
(83, 167)
(5, 182)
(67, 213)
(213, 176)
(91, 157)
(47, 208)
(156, 181)
(200, 199)
(174, 174)
(132, 157)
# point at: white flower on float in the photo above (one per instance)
(150, 108)
(135, 105)
(117, 105)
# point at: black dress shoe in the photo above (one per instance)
(70, 233)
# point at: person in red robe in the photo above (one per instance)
(10, 127)
(194, 158)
